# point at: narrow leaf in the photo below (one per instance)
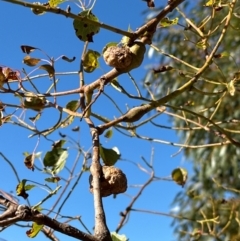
(116, 85)
(27, 49)
(68, 59)
(49, 69)
(30, 61)
(53, 179)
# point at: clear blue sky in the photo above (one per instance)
(55, 35)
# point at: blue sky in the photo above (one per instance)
(55, 35)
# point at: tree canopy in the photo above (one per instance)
(177, 72)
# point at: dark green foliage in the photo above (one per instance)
(211, 97)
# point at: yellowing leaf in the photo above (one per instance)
(231, 87)
(202, 44)
(125, 39)
(49, 69)
(34, 103)
(22, 188)
(214, 3)
(166, 22)
(109, 156)
(90, 61)
(109, 133)
(33, 232)
(86, 31)
(179, 175)
(29, 161)
(30, 61)
(55, 3)
(117, 237)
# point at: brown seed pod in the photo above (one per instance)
(113, 181)
(118, 57)
(125, 58)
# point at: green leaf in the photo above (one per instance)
(30, 61)
(118, 237)
(56, 158)
(109, 133)
(51, 158)
(33, 232)
(86, 31)
(49, 69)
(72, 105)
(29, 187)
(166, 22)
(109, 156)
(90, 61)
(60, 163)
(179, 175)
